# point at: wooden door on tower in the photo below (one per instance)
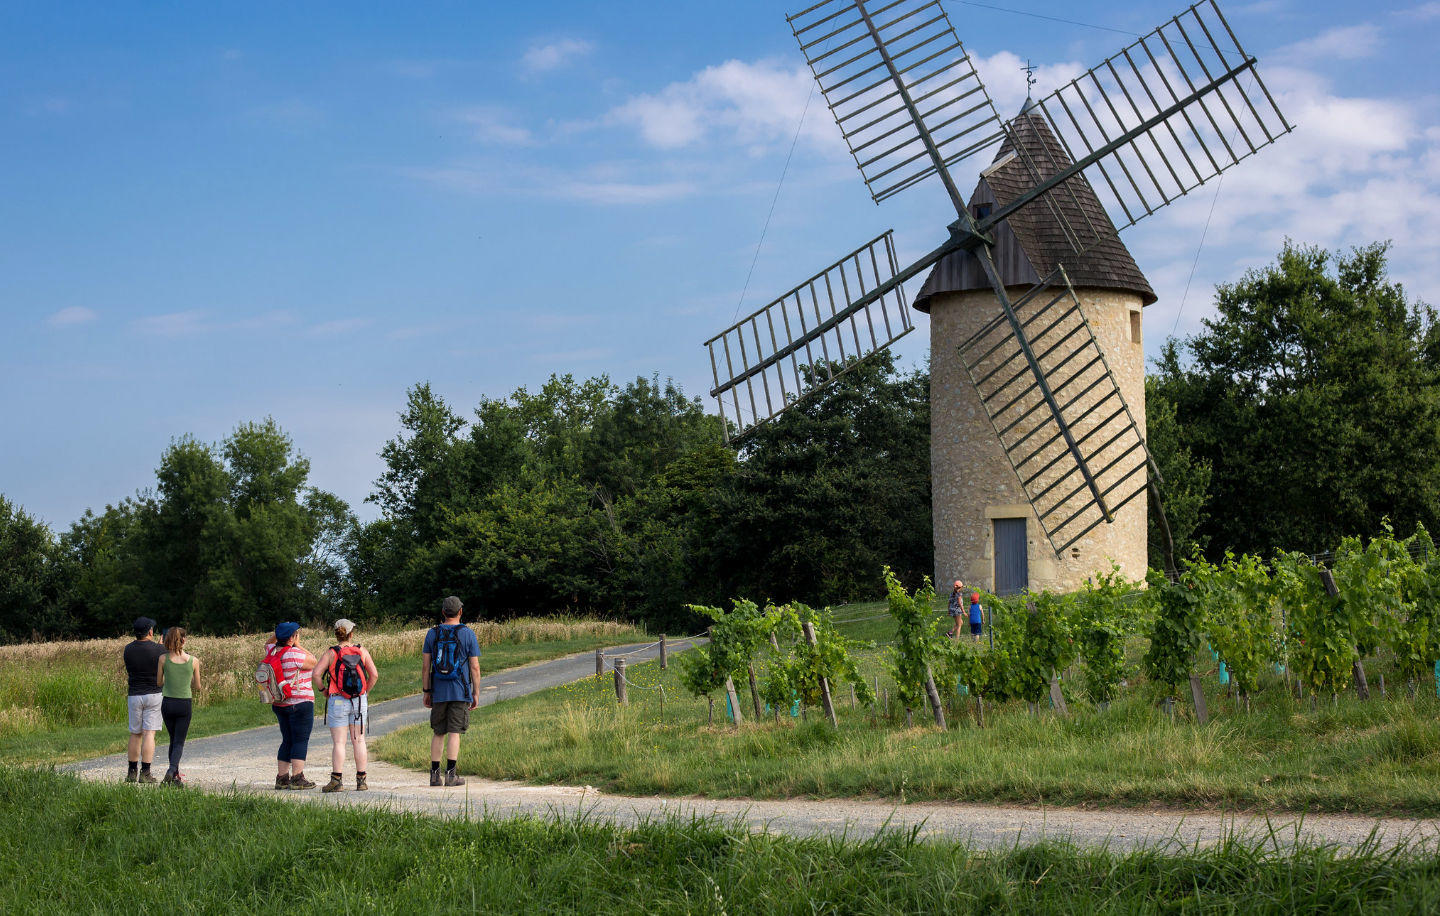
(1012, 563)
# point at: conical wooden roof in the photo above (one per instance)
(1032, 241)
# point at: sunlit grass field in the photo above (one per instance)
(1380, 756)
(109, 848)
(62, 701)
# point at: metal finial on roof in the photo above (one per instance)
(1029, 69)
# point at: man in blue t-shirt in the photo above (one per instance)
(450, 673)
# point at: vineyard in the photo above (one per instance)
(1293, 625)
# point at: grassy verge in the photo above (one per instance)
(1378, 757)
(66, 701)
(107, 850)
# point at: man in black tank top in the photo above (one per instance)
(142, 660)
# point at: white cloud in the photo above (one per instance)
(606, 184)
(1424, 11)
(1350, 42)
(556, 54)
(192, 322)
(493, 126)
(753, 104)
(72, 316)
(338, 326)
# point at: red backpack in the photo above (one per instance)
(346, 677)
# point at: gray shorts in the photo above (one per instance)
(340, 712)
(144, 712)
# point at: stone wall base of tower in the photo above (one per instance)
(973, 482)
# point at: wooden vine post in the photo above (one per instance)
(1362, 686)
(599, 662)
(754, 691)
(1057, 697)
(620, 692)
(824, 681)
(934, 696)
(734, 701)
(664, 655)
(1197, 696)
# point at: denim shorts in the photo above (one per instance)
(340, 712)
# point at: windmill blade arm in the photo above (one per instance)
(793, 346)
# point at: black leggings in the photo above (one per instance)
(175, 712)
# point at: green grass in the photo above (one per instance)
(1377, 757)
(108, 848)
(76, 710)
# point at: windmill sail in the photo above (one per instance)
(1151, 123)
(805, 339)
(897, 80)
(1071, 489)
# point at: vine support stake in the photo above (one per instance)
(599, 662)
(824, 681)
(664, 655)
(934, 696)
(734, 701)
(754, 692)
(1362, 687)
(1197, 696)
(620, 693)
(1057, 699)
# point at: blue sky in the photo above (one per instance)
(219, 212)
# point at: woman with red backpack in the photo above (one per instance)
(348, 674)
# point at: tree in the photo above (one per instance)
(1313, 397)
(25, 574)
(1186, 479)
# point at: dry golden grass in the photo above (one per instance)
(228, 662)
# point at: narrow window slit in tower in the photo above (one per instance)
(1135, 336)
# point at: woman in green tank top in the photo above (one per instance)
(179, 678)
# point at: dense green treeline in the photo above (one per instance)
(583, 496)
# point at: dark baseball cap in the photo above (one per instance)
(143, 625)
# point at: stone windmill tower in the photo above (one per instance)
(986, 530)
(1040, 471)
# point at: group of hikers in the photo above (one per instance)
(164, 679)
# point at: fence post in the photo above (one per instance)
(774, 643)
(824, 681)
(599, 662)
(754, 691)
(1197, 696)
(934, 696)
(664, 656)
(620, 693)
(1362, 687)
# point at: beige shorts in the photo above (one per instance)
(144, 712)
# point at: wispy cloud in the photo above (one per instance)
(493, 126)
(1424, 11)
(72, 316)
(192, 322)
(338, 327)
(542, 58)
(1349, 42)
(598, 185)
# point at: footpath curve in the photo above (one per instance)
(244, 761)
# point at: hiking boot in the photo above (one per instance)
(300, 782)
(434, 777)
(147, 777)
(282, 782)
(452, 780)
(361, 785)
(334, 785)
(174, 780)
(135, 777)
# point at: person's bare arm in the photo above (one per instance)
(309, 663)
(425, 677)
(195, 675)
(160, 671)
(474, 681)
(319, 669)
(371, 671)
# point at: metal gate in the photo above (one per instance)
(1012, 563)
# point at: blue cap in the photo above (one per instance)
(286, 630)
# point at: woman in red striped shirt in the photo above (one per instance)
(295, 713)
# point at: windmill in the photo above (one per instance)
(1148, 125)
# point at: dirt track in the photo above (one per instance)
(244, 761)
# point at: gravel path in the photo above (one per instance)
(244, 761)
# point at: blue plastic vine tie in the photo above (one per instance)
(1224, 675)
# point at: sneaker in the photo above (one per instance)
(174, 780)
(452, 780)
(361, 785)
(434, 777)
(135, 777)
(300, 782)
(147, 777)
(282, 782)
(334, 785)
